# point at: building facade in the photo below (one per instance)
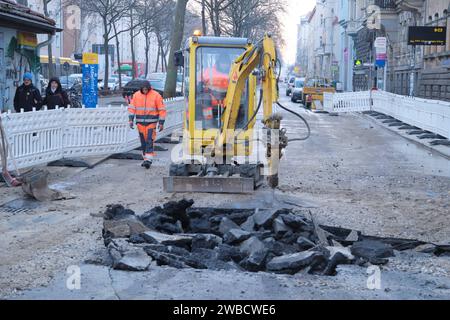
(422, 71)
(20, 29)
(82, 33)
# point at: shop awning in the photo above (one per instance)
(19, 17)
(125, 67)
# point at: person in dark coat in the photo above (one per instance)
(55, 95)
(27, 95)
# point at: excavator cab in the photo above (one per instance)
(209, 72)
(208, 62)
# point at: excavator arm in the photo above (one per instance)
(261, 56)
(217, 172)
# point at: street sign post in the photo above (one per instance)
(90, 80)
(380, 51)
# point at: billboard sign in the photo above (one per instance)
(427, 36)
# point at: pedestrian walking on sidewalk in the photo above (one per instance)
(55, 95)
(27, 95)
(148, 110)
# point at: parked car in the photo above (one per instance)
(290, 85)
(69, 81)
(113, 85)
(157, 76)
(135, 85)
(160, 81)
(297, 90)
(125, 80)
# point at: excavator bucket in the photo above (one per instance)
(207, 179)
(34, 184)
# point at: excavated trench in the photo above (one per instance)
(280, 241)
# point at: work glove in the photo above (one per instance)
(161, 127)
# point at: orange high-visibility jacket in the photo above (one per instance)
(217, 84)
(215, 80)
(147, 108)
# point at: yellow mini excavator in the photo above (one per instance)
(223, 150)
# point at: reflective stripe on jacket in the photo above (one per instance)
(147, 108)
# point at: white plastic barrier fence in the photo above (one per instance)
(430, 115)
(92, 132)
(347, 102)
(39, 137)
(34, 137)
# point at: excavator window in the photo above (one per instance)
(212, 78)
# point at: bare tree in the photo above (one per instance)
(109, 11)
(244, 18)
(214, 9)
(151, 16)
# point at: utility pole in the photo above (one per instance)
(50, 40)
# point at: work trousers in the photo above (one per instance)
(147, 134)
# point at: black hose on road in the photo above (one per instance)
(303, 119)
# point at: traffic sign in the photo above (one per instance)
(380, 45)
(358, 63)
(90, 58)
(380, 63)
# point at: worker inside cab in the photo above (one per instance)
(213, 77)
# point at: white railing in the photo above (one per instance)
(347, 102)
(429, 115)
(34, 137)
(39, 137)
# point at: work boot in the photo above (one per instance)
(146, 164)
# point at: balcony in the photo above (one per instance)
(410, 5)
(353, 28)
(386, 4)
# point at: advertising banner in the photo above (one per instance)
(90, 80)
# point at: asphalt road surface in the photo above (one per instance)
(350, 173)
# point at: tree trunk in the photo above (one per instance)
(106, 50)
(133, 53)
(147, 50)
(175, 45)
(51, 73)
(157, 58)
(204, 26)
(217, 32)
(164, 58)
(118, 55)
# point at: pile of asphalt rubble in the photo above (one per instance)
(280, 241)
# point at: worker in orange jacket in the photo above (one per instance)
(215, 82)
(148, 109)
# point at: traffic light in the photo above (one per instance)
(358, 63)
